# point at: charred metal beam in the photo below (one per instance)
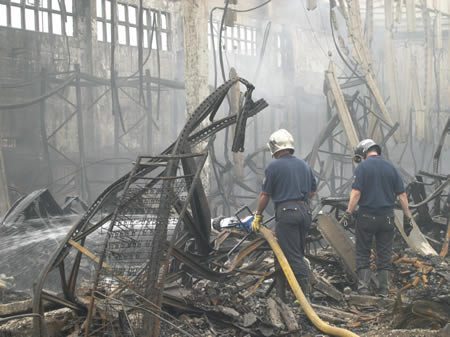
(417, 191)
(200, 269)
(200, 209)
(37, 204)
(437, 159)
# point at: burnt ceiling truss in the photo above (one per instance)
(137, 225)
(352, 117)
(357, 110)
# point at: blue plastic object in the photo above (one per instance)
(246, 223)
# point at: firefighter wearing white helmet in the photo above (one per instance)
(280, 140)
(289, 182)
(376, 185)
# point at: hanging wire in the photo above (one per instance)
(221, 27)
(263, 49)
(222, 68)
(62, 6)
(38, 99)
(313, 30)
(150, 42)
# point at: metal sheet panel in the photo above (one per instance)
(416, 240)
(338, 238)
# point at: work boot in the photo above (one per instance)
(280, 283)
(383, 283)
(304, 283)
(363, 281)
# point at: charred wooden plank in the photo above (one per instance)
(337, 237)
(322, 285)
(274, 313)
(288, 316)
(368, 301)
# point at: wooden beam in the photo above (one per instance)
(369, 301)
(86, 252)
(362, 56)
(288, 316)
(325, 287)
(335, 95)
(274, 313)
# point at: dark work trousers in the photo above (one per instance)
(368, 227)
(293, 220)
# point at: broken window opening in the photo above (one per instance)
(3, 15)
(238, 39)
(128, 25)
(8, 142)
(42, 16)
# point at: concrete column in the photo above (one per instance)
(86, 30)
(195, 30)
(447, 71)
(4, 199)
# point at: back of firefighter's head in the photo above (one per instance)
(281, 140)
(363, 148)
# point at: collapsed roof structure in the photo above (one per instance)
(141, 253)
(143, 259)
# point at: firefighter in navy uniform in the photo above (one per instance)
(376, 185)
(290, 183)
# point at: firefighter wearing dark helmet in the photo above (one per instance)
(289, 182)
(376, 185)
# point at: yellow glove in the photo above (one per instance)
(256, 224)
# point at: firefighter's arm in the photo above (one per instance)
(354, 198)
(263, 200)
(403, 198)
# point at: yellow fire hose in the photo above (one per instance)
(309, 311)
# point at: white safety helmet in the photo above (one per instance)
(280, 140)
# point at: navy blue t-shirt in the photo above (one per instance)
(379, 183)
(288, 178)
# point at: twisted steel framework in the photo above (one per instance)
(131, 220)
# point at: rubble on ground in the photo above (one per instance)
(246, 304)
